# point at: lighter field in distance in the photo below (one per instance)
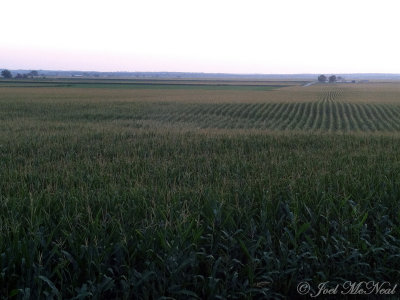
(369, 107)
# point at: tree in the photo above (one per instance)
(33, 73)
(322, 78)
(332, 78)
(6, 74)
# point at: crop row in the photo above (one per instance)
(324, 114)
(331, 95)
(320, 115)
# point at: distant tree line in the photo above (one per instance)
(7, 74)
(323, 78)
(31, 74)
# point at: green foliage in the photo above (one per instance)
(328, 114)
(97, 204)
(323, 116)
(332, 78)
(322, 78)
(6, 74)
(148, 214)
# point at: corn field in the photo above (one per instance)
(176, 194)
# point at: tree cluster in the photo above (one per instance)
(6, 74)
(323, 78)
(31, 74)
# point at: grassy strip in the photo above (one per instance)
(141, 85)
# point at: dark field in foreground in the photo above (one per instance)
(137, 207)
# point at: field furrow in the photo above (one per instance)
(354, 123)
(315, 113)
(330, 111)
(290, 114)
(330, 117)
(344, 125)
(364, 116)
(306, 107)
(258, 115)
(379, 118)
(336, 118)
(292, 117)
(311, 115)
(272, 118)
(391, 115)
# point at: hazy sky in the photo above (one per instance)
(281, 36)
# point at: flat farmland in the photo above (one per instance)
(143, 190)
(371, 107)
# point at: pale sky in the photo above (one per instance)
(228, 36)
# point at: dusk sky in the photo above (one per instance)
(310, 36)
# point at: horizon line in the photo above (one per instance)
(198, 72)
